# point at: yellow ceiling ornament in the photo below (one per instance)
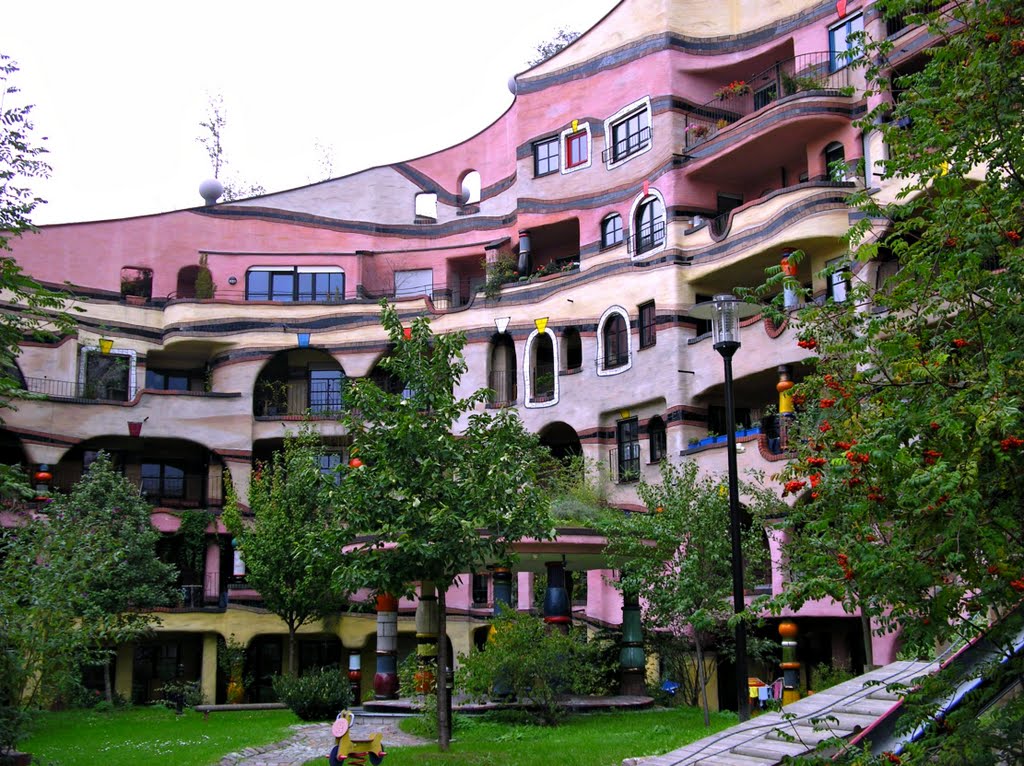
(541, 324)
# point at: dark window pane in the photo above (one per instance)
(257, 286)
(282, 287)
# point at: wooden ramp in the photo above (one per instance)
(842, 711)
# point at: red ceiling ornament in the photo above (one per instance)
(647, 188)
(407, 333)
(841, 8)
(43, 475)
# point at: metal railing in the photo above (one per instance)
(319, 398)
(542, 382)
(191, 490)
(806, 72)
(80, 390)
(627, 146)
(503, 388)
(624, 462)
(648, 237)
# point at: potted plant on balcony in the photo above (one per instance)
(698, 131)
(735, 88)
(274, 397)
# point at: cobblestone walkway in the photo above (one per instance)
(314, 741)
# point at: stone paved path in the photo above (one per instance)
(315, 741)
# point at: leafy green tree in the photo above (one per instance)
(290, 502)
(910, 446)
(444, 488)
(679, 554)
(539, 665)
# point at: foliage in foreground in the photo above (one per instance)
(133, 735)
(317, 695)
(910, 443)
(538, 665)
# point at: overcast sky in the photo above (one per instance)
(120, 88)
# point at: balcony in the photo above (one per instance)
(80, 391)
(627, 146)
(164, 489)
(809, 72)
(502, 385)
(624, 463)
(317, 398)
(648, 236)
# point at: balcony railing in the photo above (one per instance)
(79, 390)
(806, 72)
(191, 490)
(318, 398)
(503, 388)
(627, 146)
(648, 237)
(624, 463)
(542, 382)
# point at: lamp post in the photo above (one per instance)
(725, 313)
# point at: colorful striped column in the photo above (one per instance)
(632, 666)
(790, 667)
(557, 612)
(385, 680)
(427, 623)
(502, 579)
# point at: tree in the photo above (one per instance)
(443, 488)
(559, 39)
(212, 141)
(679, 556)
(290, 500)
(910, 446)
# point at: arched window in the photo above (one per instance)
(470, 193)
(426, 205)
(573, 349)
(656, 439)
(649, 225)
(616, 342)
(502, 374)
(542, 369)
(835, 162)
(611, 230)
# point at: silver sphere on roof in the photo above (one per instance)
(512, 85)
(210, 190)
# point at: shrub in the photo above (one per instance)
(187, 693)
(318, 695)
(540, 666)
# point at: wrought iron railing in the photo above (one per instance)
(624, 462)
(627, 146)
(82, 390)
(542, 382)
(648, 236)
(806, 72)
(318, 398)
(503, 387)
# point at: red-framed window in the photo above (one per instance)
(577, 149)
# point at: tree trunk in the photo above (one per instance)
(702, 680)
(444, 722)
(869, 652)
(292, 655)
(107, 686)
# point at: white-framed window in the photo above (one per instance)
(840, 43)
(414, 282)
(107, 376)
(469, 193)
(540, 370)
(648, 224)
(838, 280)
(628, 132)
(611, 230)
(613, 342)
(576, 148)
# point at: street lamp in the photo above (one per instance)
(725, 313)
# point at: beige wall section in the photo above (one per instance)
(124, 669)
(208, 676)
(634, 20)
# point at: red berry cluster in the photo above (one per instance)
(1011, 442)
(931, 456)
(960, 342)
(793, 486)
(808, 343)
(817, 462)
(827, 404)
(858, 457)
(825, 427)
(844, 563)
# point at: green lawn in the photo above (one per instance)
(597, 739)
(130, 736)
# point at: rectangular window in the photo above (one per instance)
(577, 149)
(658, 442)
(627, 440)
(545, 157)
(839, 42)
(414, 282)
(325, 391)
(302, 283)
(161, 380)
(161, 480)
(838, 280)
(329, 463)
(107, 377)
(631, 135)
(648, 325)
(481, 583)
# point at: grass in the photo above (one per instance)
(596, 739)
(134, 735)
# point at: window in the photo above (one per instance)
(162, 480)
(325, 390)
(136, 282)
(545, 157)
(648, 325)
(616, 342)
(835, 162)
(577, 148)
(838, 276)
(167, 380)
(426, 205)
(839, 42)
(291, 283)
(631, 134)
(573, 349)
(414, 282)
(470, 194)
(107, 376)
(481, 584)
(611, 230)
(627, 440)
(656, 439)
(541, 353)
(649, 225)
(329, 464)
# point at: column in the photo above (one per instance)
(355, 675)
(124, 669)
(502, 578)
(385, 680)
(427, 622)
(208, 670)
(790, 667)
(211, 585)
(789, 297)
(557, 612)
(632, 667)
(786, 410)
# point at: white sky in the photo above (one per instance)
(120, 88)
